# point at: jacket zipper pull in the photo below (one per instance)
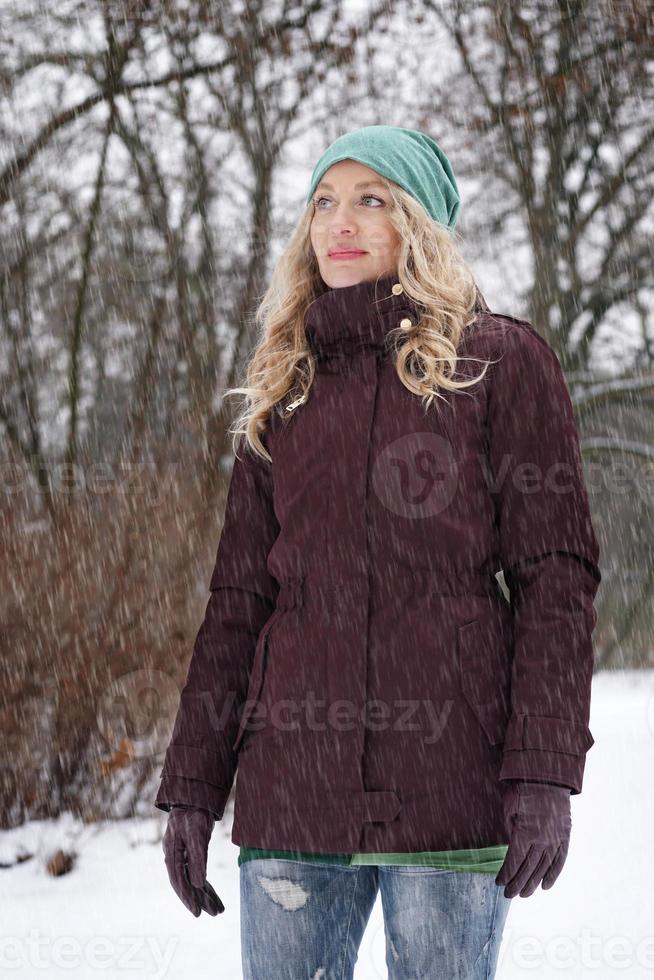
(298, 401)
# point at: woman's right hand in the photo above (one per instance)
(185, 844)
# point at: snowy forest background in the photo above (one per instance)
(153, 159)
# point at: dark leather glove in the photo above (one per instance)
(185, 844)
(538, 820)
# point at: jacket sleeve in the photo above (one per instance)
(199, 764)
(549, 554)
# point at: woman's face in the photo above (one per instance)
(349, 216)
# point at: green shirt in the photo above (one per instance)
(483, 859)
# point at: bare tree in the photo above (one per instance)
(551, 104)
(558, 98)
(136, 204)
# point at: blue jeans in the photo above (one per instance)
(302, 920)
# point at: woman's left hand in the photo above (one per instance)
(538, 820)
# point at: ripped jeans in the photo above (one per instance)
(302, 920)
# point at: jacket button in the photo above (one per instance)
(406, 323)
(397, 288)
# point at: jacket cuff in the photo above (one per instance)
(191, 775)
(191, 792)
(539, 747)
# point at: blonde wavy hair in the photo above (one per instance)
(433, 273)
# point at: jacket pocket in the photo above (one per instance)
(257, 678)
(484, 670)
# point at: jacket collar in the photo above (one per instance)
(349, 319)
(352, 318)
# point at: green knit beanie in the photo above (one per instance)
(406, 156)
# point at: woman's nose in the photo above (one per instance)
(342, 224)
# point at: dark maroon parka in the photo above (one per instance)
(358, 660)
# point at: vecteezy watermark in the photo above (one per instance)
(416, 475)
(136, 707)
(558, 955)
(419, 474)
(38, 951)
(420, 715)
(586, 951)
(95, 479)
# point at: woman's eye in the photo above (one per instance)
(316, 200)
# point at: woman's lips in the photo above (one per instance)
(346, 255)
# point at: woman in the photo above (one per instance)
(406, 729)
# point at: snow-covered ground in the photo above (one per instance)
(115, 915)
